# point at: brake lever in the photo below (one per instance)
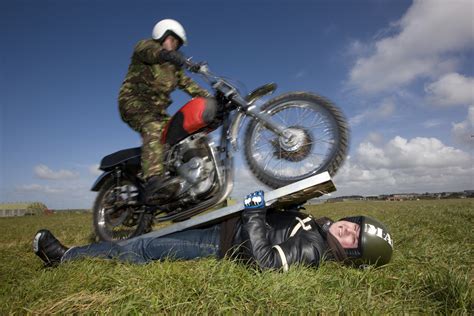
(193, 67)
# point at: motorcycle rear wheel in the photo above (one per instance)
(115, 216)
(320, 140)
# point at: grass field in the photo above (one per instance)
(431, 272)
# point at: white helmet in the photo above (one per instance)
(166, 27)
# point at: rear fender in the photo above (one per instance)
(100, 180)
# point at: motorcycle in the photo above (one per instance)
(290, 137)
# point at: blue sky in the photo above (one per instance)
(401, 71)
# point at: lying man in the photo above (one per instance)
(270, 238)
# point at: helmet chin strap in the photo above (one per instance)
(324, 223)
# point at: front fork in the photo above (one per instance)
(264, 119)
(229, 92)
(117, 176)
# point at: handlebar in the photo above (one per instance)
(194, 67)
(215, 81)
(232, 93)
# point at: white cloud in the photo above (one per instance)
(432, 123)
(426, 37)
(374, 138)
(384, 111)
(44, 172)
(451, 89)
(72, 195)
(463, 132)
(417, 152)
(371, 155)
(73, 192)
(44, 189)
(300, 74)
(401, 165)
(357, 48)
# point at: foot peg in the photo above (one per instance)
(158, 191)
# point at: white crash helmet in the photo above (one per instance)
(167, 27)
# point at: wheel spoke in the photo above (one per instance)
(268, 138)
(315, 162)
(261, 136)
(317, 117)
(301, 117)
(281, 171)
(328, 131)
(261, 145)
(283, 120)
(266, 164)
(322, 140)
(318, 124)
(317, 154)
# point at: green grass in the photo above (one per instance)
(431, 272)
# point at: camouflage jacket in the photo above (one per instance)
(151, 81)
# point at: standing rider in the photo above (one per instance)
(154, 73)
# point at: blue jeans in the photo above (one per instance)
(185, 245)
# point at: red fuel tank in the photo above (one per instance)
(191, 118)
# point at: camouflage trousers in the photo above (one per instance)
(150, 129)
(152, 148)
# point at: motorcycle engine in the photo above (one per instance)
(192, 167)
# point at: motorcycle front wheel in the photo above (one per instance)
(318, 139)
(117, 213)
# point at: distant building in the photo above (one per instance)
(372, 198)
(22, 209)
(402, 197)
(405, 196)
(346, 198)
(315, 201)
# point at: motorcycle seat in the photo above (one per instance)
(118, 157)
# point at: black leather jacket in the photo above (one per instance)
(277, 239)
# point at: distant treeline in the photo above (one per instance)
(407, 196)
(74, 210)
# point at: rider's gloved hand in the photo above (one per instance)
(174, 57)
(196, 67)
(255, 200)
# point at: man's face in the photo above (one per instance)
(171, 43)
(346, 233)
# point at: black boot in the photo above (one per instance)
(158, 191)
(48, 248)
